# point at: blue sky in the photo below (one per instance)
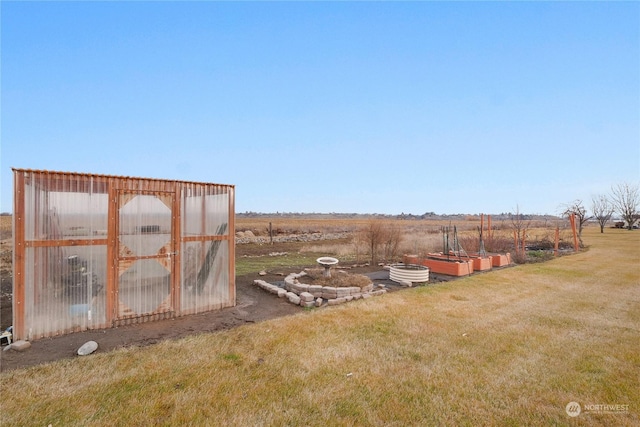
(366, 107)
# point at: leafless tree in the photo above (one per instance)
(626, 197)
(373, 234)
(602, 210)
(580, 212)
(381, 238)
(391, 239)
(519, 225)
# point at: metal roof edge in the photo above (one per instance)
(97, 175)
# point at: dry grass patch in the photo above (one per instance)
(338, 279)
(511, 347)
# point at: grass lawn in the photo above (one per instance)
(509, 347)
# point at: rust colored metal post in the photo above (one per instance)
(111, 306)
(176, 248)
(572, 219)
(231, 236)
(19, 253)
(489, 228)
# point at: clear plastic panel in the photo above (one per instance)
(205, 211)
(144, 288)
(65, 289)
(145, 224)
(70, 209)
(205, 275)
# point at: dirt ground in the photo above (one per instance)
(252, 305)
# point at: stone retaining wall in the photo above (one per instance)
(315, 295)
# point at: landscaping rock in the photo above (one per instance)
(343, 292)
(306, 296)
(293, 298)
(315, 290)
(87, 348)
(20, 345)
(329, 295)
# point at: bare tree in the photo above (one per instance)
(391, 239)
(602, 210)
(373, 234)
(580, 212)
(519, 225)
(626, 197)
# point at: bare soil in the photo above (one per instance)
(252, 305)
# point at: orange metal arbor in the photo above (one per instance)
(96, 251)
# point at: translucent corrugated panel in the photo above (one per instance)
(205, 211)
(205, 274)
(205, 257)
(145, 254)
(64, 289)
(64, 282)
(64, 207)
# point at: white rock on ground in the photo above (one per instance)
(20, 345)
(293, 298)
(87, 348)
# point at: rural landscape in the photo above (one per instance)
(512, 346)
(332, 213)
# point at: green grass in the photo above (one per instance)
(510, 347)
(247, 265)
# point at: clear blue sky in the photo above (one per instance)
(366, 107)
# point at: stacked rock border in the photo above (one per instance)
(315, 295)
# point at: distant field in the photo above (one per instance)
(310, 224)
(5, 226)
(419, 236)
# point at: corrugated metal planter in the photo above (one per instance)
(408, 273)
(96, 251)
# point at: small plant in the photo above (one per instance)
(232, 357)
(539, 256)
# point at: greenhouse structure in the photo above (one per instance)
(97, 251)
